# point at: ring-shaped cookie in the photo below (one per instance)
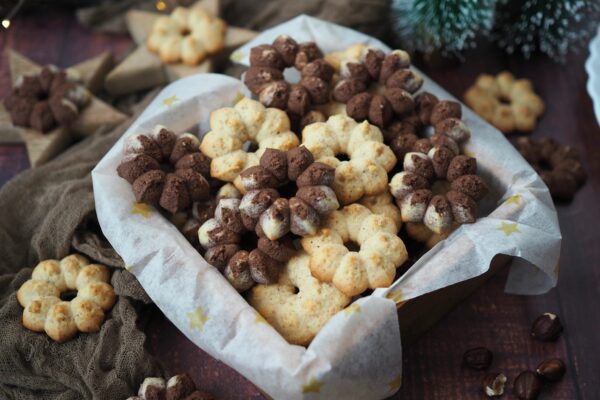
(557, 164)
(166, 169)
(298, 305)
(437, 187)
(265, 211)
(368, 158)
(356, 250)
(507, 103)
(375, 86)
(265, 76)
(45, 311)
(233, 127)
(188, 35)
(48, 98)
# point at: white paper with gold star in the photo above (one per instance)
(204, 306)
(357, 354)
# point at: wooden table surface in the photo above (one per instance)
(432, 364)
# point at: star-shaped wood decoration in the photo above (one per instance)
(41, 147)
(314, 386)
(143, 69)
(508, 228)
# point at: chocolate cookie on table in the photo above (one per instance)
(263, 212)
(166, 169)
(557, 164)
(47, 99)
(178, 387)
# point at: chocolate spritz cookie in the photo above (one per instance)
(443, 117)
(438, 186)
(273, 218)
(265, 77)
(391, 72)
(44, 100)
(178, 387)
(557, 164)
(166, 169)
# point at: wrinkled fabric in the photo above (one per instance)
(48, 212)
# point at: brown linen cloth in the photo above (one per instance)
(48, 212)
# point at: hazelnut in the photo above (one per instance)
(493, 384)
(551, 370)
(478, 358)
(527, 386)
(546, 327)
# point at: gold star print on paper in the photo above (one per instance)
(197, 319)
(515, 199)
(314, 386)
(168, 102)
(395, 295)
(508, 228)
(352, 309)
(395, 383)
(142, 209)
(261, 320)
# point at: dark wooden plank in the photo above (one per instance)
(490, 317)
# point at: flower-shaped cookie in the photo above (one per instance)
(489, 95)
(188, 35)
(355, 250)
(232, 128)
(368, 158)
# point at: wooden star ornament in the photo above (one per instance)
(143, 69)
(41, 147)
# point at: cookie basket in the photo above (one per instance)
(357, 354)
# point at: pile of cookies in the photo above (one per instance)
(299, 198)
(52, 97)
(178, 387)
